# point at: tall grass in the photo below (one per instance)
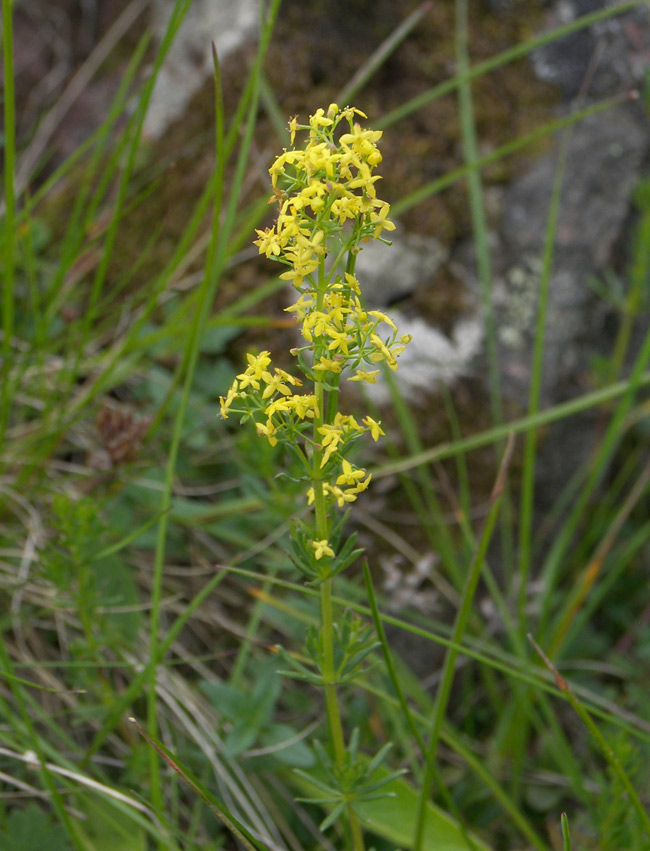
(142, 559)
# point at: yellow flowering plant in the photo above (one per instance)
(328, 206)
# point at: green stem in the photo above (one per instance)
(329, 674)
(355, 830)
(327, 405)
(327, 623)
(8, 247)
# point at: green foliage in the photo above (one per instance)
(95, 585)
(616, 824)
(303, 556)
(30, 829)
(141, 563)
(105, 829)
(354, 782)
(251, 714)
(353, 641)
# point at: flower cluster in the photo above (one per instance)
(324, 186)
(328, 206)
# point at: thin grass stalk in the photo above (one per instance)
(403, 703)
(548, 129)
(388, 659)
(499, 660)
(214, 267)
(620, 559)
(551, 415)
(76, 232)
(8, 243)
(599, 464)
(566, 835)
(477, 208)
(603, 745)
(518, 728)
(449, 667)
(107, 373)
(129, 808)
(248, 642)
(62, 415)
(575, 599)
(617, 487)
(78, 83)
(238, 830)
(462, 471)
(79, 220)
(143, 676)
(181, 8)
(430, 512)
(561, 747)
(274, 111)
(535, 392)
(374, 62)
(491, 584)
(477, 765)
(495, 593)
(504, 58)
(35, 743)
(639, 273)
(35, 299)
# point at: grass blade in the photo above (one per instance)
(510, 55)
(236, 828)
(598, 737)
(449, 668)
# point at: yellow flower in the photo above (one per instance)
(279, 406)
(293, 127)
(374, 427)
(329, 364)
(361, 486)
(267, 431)
(304, 407)
(339, 341)
(328, 196)
(362, 375)
(353, 283)
(269, 243)
(377, 314)
(317, 324)
(381, 220)
(347, 207)
(350, 475)
(350, 111)
(318, 119)
(228, 400)
(342, 496)
(382, 352)
(332, 436)
(346, 422)
(322, 548)
(275, 384)
(301, 307)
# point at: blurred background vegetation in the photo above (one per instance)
(143, 564)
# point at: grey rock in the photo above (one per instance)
(602, 170)
(389, 273)
(189, 62)
(602, 59)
